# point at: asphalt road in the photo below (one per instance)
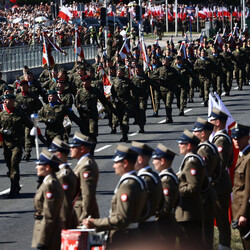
(16, 215)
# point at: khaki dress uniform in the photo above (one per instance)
(68, 181)
(241, 192)
(87, 174)
(223, 187)
(47, 202)
(127, 206)
(189, 212)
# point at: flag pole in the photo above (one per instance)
(166, 15)
(76, 45)
(176, 19)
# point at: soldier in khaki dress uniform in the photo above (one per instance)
(209, 153)
(241, 188)
(87, 174)
(68, 181)
(149, 226)
(223, 187)
(48, 201)
(191, 177)
(127, 204)
(162, 160)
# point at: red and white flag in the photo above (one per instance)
(65, 14)
(78, 48)
(106, 85)
(202, 14)
(124, 52)
(144, 53)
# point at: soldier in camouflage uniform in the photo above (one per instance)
(2, 84)
(30, 104)
(12, 123)
(121, 99)
(140, 96)
(53, 115)
(45, 75)
(168, 78)
(51, 83)
(203, 67)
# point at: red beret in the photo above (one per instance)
(85, 77)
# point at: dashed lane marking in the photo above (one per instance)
(187, 110)
(235, 87)
(133, 134)
(223, 93)
(6, 191)
(163, 121)
(102, 148)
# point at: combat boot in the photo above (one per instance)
(27, 157)
(124, 138)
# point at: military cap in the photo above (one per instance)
(141, 148)
(8, 87)
(86, 78)
(239, 131)
(202, 124)
(52, 92)
(81, 140)
(217, 114)
(60, 146)
(9, 96)
(163, 152)
(23, 82)
(124, 152)
(47, 158)
(188, 137)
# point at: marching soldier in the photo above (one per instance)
(127, 205)
(223, 187)
(87, 174)
(168, 77)
(2, 84)
(241, 190)
(50, 83)
(68, 181)
(191, 177)
(47, 202)
(140, 96)
(162, 160)
(53, 115)
(148, 226)
(30, 104)
(12, 123)
(209, 153)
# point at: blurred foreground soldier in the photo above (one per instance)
(223, 187)
(241, 188)
(191, 177)
(209, 153)
(148, 226)
(127, 203)
(12, 123)
(87, 174)
(47, 202)
(30, 104)
(2, 84)
(162, 160)
(53, 115)
(68, 181)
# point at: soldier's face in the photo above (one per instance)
(241, 143)
(24, 87)
(184, 148)
(76, 152)
(52, 98)
(157, 164)
(119, 168)
(9, 103)
(41, 170)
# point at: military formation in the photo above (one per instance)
(179, 205)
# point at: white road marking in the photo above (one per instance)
(102, 148)
(133, 134)
(202, 103)
(236, 88)
(163, 121)
(187, 110)
(6, 191)
(223, 93)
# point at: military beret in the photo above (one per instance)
(202, 124)
(52, 92)
(217, 114)
(9, 96)
(188, 137)
(112, 67)
(109, 35)
(81, 140)
(179, 58)
(86, 78)
(8, 87)
(124, 152)
(60, 146)
(239, 131)
(141, 148)
(163, 152)
(180, 41)
(47, 158)
(23, 82)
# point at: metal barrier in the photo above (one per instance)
(17, 58)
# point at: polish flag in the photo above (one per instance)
(226, 13)
(170, 16)
(124, 52)
(202, 14)
(184, 15)
(47, 55)
(183, 49)
(65, 14)
(78, 48)
(106, 85)
(220, 12)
